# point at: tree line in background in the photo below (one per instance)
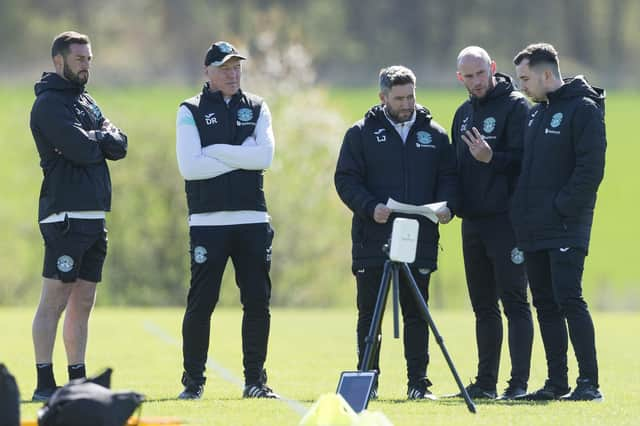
(164, 40)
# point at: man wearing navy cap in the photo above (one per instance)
(224, 142)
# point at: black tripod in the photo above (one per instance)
(392, 270)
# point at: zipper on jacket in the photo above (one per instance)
(542, 112)
(405, 162)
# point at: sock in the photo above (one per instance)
(76, 371)
(45, 376)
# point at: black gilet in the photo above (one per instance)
(229, 123)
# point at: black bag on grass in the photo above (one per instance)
(85, 402)
(9, 399)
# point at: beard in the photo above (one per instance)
(485, 90)
(399, 116)
(80, 78)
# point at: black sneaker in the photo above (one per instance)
(549, 392)
(513, 392)
(193, 389)
(43, 395)
(420, 390)
(584, 391)
(475, 391)
(260, 389)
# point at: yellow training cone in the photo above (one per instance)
(330, 409)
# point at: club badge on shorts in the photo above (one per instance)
(65, 263)
(199, 254)
(517, 256)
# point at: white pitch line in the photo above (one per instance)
(218, 368)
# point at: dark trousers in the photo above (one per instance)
(555, 278)
(249, 247)
(495, 271)
(415, 329)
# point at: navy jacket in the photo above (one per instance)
(76, 176)
(500, 116)
(562, 167)
(375, 165)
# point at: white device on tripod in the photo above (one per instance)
(404, 240)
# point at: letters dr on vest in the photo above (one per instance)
(232, 123)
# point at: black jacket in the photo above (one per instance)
(76, 176)
(563, 165)
(232, 123)
(500, 116)
(374, 165)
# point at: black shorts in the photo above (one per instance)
(74, 248)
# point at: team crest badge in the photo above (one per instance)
(245, 114)
(225, 47)
(489, 124)
(199, 254)
(517, 256)
(556, 120)
(65, 263)
(424, 138)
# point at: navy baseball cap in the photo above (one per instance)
(220, 52)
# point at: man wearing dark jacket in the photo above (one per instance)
(224, 142)
(487, 134)
(397, 151)
(74, 141)
(552, 212)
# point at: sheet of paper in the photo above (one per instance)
(426, 210)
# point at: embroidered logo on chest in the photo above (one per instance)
(556, 120)
(463, 126)
(245, 114)
(424, 140)
(210, 119)
(489, 124)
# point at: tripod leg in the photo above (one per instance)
(424, 310)
(396, 298)
(371, 341)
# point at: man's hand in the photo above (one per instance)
(479, 148)
(444, 215)
(108, 127)
(381, 213)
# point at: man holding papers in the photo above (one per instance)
(396, 152)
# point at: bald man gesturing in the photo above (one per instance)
(487, 134)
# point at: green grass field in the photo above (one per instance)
(308, 349)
